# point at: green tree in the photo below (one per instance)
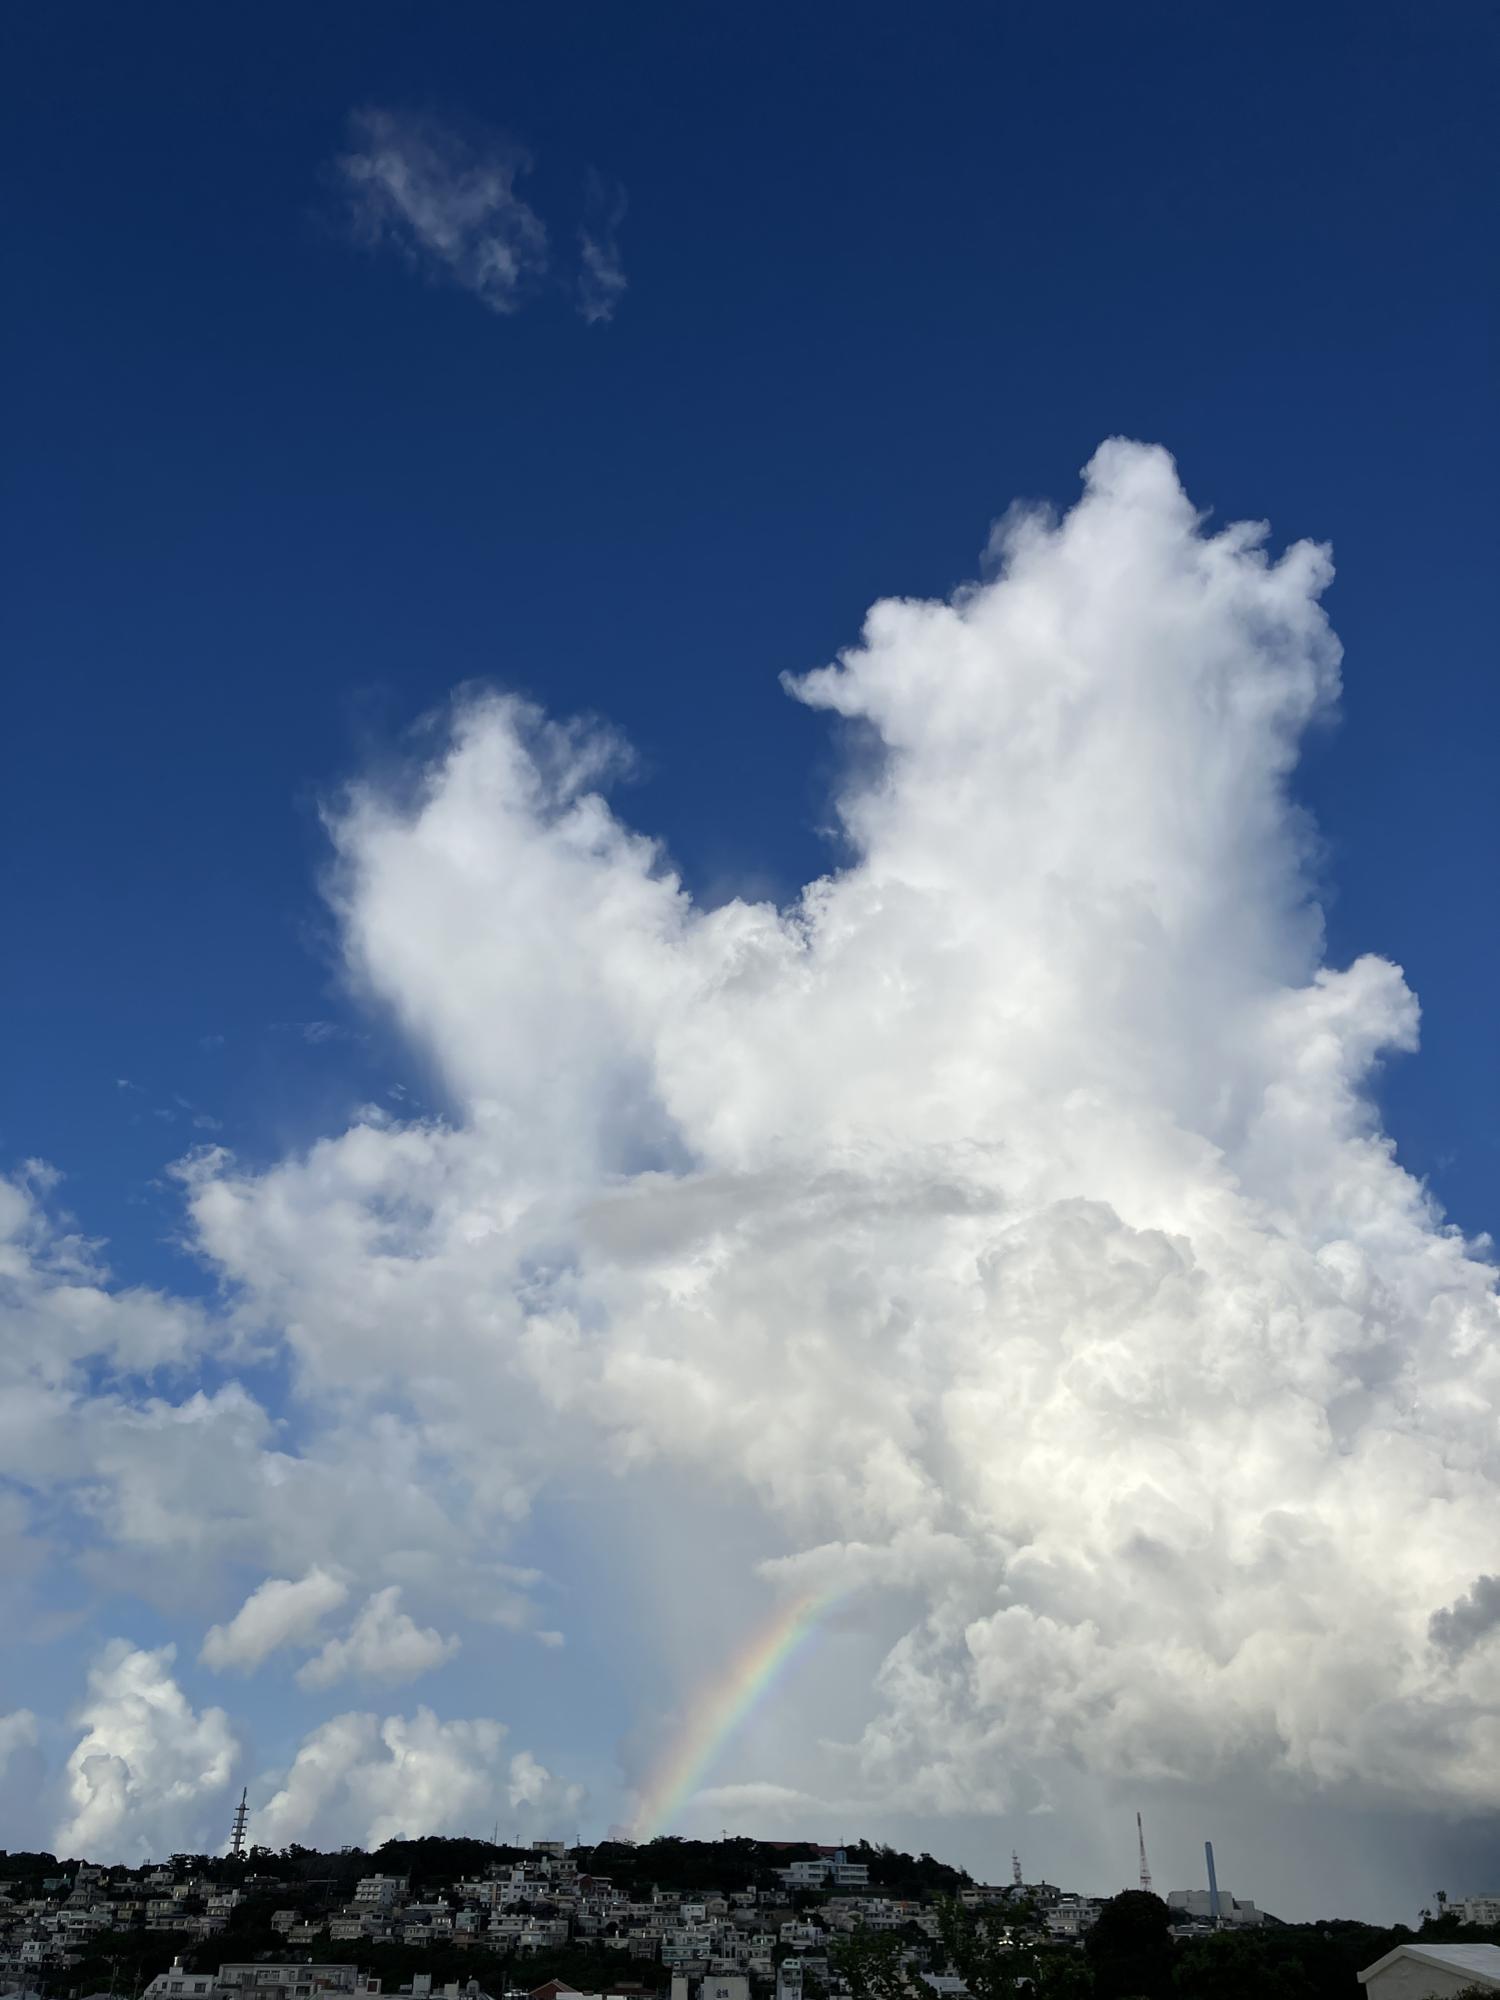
(1063, 1974)
(874, 1967)
(999, 1954)
(1241, 1965)
(992, 1951)
(1130, 1948)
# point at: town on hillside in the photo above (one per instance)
(734, 1919)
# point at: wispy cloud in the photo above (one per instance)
(317, 1034)
(601, 277)
(314, 1033)
(446, 202)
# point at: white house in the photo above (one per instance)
(725, 1986)
(1432, 1971)
(719, 1986)
(381, 1892)
(835, 1868)
(179, 1985)
(1072, 1915)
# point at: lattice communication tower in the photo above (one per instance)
(241, 1821)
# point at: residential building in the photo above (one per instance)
(382, 1891)
(293, 1981)
(800, 1935)
(175, 1982)
(422, 1988)
(717, 1986)
(1432, 1971)
(1071, 1916)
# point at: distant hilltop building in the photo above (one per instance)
(835, 1870)
(1197, 1905)
(1476, 1909)
(1072, 1915)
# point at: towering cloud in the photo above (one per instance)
(148, 1769)
(1009, 1216)
(1007, 1222)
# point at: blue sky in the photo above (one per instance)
(279, 482)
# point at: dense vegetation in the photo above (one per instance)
(1131, 1955)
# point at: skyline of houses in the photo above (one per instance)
(546, 1898)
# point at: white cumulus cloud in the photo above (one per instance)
(149, 1772)
(280, 1612)
(382, 1644)
(361, 1778)
(61, 1310)
(1016, 1194)
(1005, 1226)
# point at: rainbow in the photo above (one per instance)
(719, 1709)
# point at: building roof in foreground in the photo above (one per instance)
(1480, 1962)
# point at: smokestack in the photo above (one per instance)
(1213, 1884)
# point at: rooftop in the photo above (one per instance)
(1479, 1962)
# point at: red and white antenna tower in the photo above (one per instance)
(241, 1817)
(1015, 1868)
(1140, 1834)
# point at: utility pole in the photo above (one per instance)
(1140, 1834)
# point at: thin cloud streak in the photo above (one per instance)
(601, 279)
(446, 201)
(448, 205)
